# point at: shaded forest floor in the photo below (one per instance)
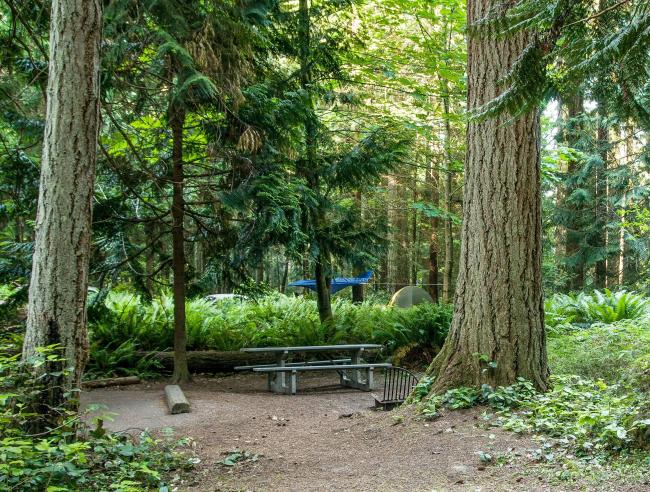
(329, 438)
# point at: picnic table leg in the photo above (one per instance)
(355, 380)
(279, 384)
(356, 373)
(293, 383)
(370, 380)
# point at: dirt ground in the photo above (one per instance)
(328, 438)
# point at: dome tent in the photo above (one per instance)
(410, 296)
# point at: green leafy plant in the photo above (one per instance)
(129, 322)
(616, 352)
(584, 309)
(237, 457)
(586, 417)
(72, 455)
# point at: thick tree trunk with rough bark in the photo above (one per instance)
(176, 123)
(497, 333)
(59, 281)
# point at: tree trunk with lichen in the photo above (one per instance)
(497, 332)
(59, 280)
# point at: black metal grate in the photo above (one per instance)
(398, 384)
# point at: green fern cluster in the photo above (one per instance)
(604, 306)
(272, 321)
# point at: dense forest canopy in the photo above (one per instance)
(387, 91)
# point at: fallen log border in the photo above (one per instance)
(105, 383)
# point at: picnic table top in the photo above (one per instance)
(313, 348)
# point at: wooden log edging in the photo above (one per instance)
(104, 383)
(210, 361)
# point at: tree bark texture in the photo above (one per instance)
(448, 232)
(602, 136)
(574, 232)
(359, 268)
(59, 281)
(497, 332)
(399, 252)
(323, 298)
(434, 243)
(176, 123)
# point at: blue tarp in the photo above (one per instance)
(338, 283)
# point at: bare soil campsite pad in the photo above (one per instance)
(329, 438)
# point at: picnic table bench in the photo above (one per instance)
(350, 368)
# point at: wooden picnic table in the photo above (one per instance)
(277, 372)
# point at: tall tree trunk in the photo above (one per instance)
(448, 232)
(357, 290)
(398, 264)
(59, 281)
(413, 250)
(309, 170)
(176, 122)
(574, 231)
(434, 244)
(600, 274)
(323, 290)
(497, 332)
(285, 277)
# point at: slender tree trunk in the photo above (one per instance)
(434, 243)
(357, 290)
(413, 250)
(621, 253)
(600, 277)
(176, 123)
(574, 232)
(59, 281)
(448, 232)
(20, 228)
(285, 276)
(497, 332)
(398, 265)
(150, 229)
(309, 170)
(323, 290)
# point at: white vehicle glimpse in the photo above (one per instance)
(221, 297)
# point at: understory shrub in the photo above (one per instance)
(70, 454)
(617, 352)
(271, 321)
(583, 309)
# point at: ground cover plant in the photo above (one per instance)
(73, 453)
(598, 406)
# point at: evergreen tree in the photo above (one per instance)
(59, 278)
